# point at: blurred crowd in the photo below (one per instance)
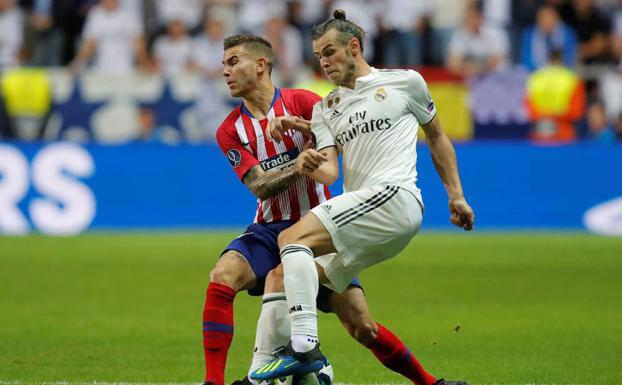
(572, 48)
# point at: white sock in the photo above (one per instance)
(301, 287)
(272, 330)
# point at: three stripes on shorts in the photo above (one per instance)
(363, 208)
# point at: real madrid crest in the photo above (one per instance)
(381, 94)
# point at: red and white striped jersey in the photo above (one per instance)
(242, 139)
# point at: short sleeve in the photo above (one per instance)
(420, 101)
(320, 129)
(240, 158)
(90, 30)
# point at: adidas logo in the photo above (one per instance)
(295, 308)
(327, 207)
(335, 114)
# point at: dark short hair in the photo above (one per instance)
(345, 28)
(257, 44)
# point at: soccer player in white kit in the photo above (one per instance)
(372, 118)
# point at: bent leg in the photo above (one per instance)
(231, 274)
(301, 277)
(353, 312)
(310, 232)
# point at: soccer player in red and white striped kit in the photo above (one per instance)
(284, 196)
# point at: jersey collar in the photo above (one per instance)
(244, 110)
(367, 78)
(361, 81)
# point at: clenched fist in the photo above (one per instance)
(461, 214)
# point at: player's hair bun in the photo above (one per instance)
(339, 14)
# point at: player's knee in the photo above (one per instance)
(234, 271)
(274, 281)
(287, 237)
(227, 274)
(223, 275)
(365, 332)
(283, 239)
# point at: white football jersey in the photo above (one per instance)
(375, 127)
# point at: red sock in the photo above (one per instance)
(395, 355)
(217, 330)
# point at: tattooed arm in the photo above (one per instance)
(265, 185)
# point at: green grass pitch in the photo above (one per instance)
(531, 308)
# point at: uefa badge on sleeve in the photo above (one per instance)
(431, 107)
(234, 157)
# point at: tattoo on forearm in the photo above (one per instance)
(269, 184)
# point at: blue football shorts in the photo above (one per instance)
(258, 244)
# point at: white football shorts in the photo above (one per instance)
(367, 226)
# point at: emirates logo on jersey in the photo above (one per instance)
(360, 124)
(234, 157)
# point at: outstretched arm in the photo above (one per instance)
(265, 185)
(444, 158)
